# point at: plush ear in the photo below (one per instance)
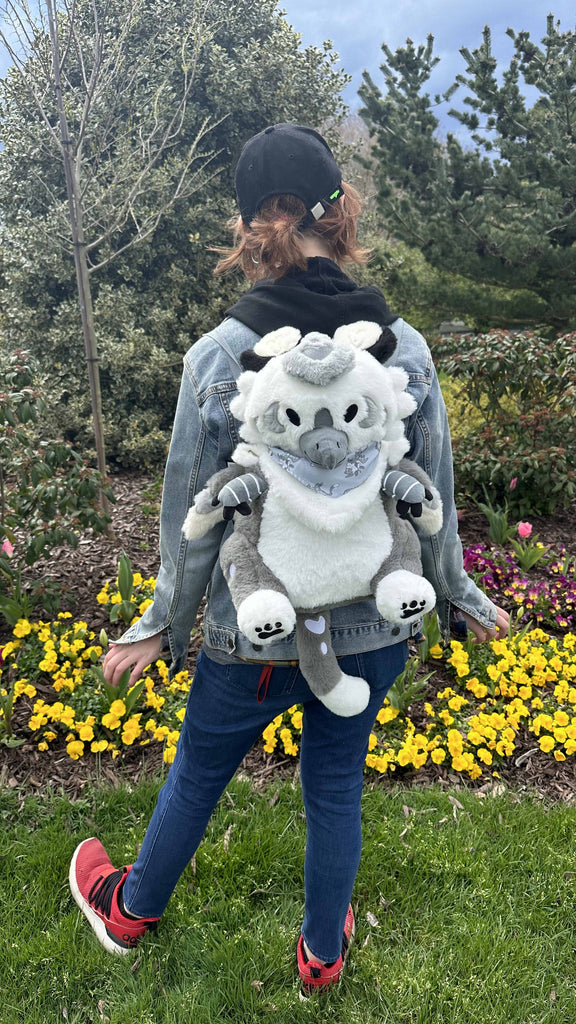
(362, 334)
(384, 346)
(250, 361)
(276, 342)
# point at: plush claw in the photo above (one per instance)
(406, 509)
(243, 508)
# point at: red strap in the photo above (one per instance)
(263, 683)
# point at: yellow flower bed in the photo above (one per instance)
(523, 684)
(64, 657)
(503, 693)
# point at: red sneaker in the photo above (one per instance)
(316, 977)
(95, 885)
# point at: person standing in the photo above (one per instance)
(296, 232)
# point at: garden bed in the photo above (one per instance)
(80, 575)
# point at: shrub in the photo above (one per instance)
(524, 389)
(48, 493)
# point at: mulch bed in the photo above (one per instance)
(81, 573)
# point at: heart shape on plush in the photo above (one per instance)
(316, 625)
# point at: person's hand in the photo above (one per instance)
(478, 633)
(123, 656)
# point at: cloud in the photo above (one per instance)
(358, 32)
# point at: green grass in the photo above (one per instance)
(473, 914)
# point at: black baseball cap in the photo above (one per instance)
(287, 159)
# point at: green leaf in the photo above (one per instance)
(11, 741)
(125, 578)
(134, 695)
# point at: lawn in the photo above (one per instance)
(464, 906)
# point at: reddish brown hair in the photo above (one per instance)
(270, 245)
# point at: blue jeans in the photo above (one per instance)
(223, 720)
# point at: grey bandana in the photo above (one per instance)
(353, 471)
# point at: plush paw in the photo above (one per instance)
(403, 596)
(349, 697)
(266, 616)
(197, 524)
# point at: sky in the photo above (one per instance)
(358, 28)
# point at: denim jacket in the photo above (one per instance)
(204, 436)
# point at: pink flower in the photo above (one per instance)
(8, 548)
(524, 530)
(513, 482)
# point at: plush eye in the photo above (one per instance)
(293, 417)
(350, 413)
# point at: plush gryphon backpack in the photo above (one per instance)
(324, 495)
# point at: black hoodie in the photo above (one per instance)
(320, 298)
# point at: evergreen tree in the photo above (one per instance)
(503, 211)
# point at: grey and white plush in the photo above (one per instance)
(317, 480)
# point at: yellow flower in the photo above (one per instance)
(22, 628)
(546, 744)
(110, 721)
(9, 648)
(456, 703)
(22, 686)
(75, 749)
(169, 754)
(559, 755)
(387, 714)
(98, 745)
(42, 746)
(372, 741)
(445, 716)
(179, 715)
(297, 720)
(438, 755)
(484, 755)
(436, 651)
(86, 732)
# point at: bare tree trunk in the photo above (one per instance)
(80, 262)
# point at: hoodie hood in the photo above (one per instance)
(322, 297)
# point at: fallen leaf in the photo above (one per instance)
(372, 919)
(456, 803)
(226, 840)
(134, 967)
(552, 995)
(407, 810)
(257, 984)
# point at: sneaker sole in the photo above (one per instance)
(95, 922)
(305, 996)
